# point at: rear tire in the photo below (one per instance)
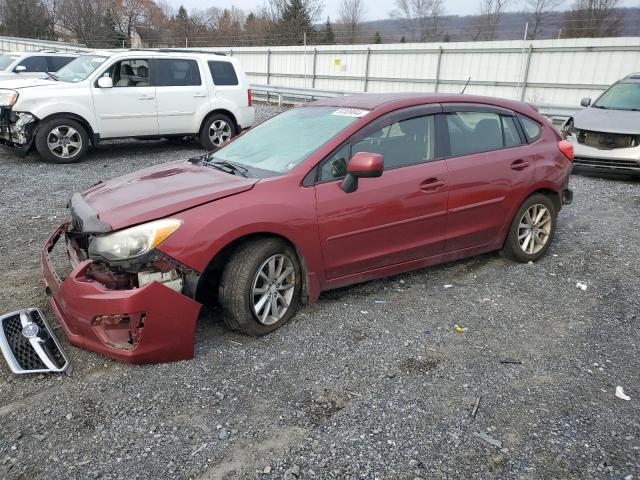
(216, 130)
(260, 286)
(532, 229)
(62, 140)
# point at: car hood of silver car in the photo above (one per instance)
(611, 121)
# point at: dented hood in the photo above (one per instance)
(610, 121)
(157, 192)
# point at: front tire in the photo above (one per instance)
(260, 286)
(532, 230)
(62, 140)
(216, 130)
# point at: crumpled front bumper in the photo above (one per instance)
(160, 321)
(618, 160)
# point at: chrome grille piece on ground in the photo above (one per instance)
(29, 345)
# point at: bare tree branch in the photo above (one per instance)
(420, 18)
(350, 14)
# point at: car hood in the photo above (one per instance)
(610, 121)
(16, 83)
(160, 191)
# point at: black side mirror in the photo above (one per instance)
(362, 165)
(585, 102)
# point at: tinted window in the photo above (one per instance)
(34, 64)
(223, 73)
(621, 96)
(408, 142)
(476, 132)
(531, 128)
(56, 63)
(177, 72)
(511, 135)
(129, 73)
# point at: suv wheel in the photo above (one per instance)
(216, 131)
(260, 287)
(532, 230)
(62, 140)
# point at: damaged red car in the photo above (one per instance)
(330, 194)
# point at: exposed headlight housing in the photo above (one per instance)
(568, 129)
(133, 242)
(8, 98)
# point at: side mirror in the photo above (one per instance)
(585, 102)
(20, 68)
(105, 82)
(362, 165)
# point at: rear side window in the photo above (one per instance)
(223, 73)
(56, 63)
(177, 72)
(476, 132)
(34, 64)
(532, 129)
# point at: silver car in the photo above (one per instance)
(15, 65)
(606, 133)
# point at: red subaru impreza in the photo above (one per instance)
(336, 192)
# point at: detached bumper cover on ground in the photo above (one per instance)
(151, 324)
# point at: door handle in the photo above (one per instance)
(199, 95)
(431, 185)
(146, 97)
(519, 164)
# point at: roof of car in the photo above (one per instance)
(158, 52)
(372, 101)
(634, 77)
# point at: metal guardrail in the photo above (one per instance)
(293, 96)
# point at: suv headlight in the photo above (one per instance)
(8, 98)
(133, 242)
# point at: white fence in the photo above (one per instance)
(16, 44)
(544, 72)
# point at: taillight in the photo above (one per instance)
(566, 148)
(249, 97)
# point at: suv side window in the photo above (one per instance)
(223, 73)
(477, 132)
(531, 128)
(129, 73)
(34, 64)
(56, 63)
(403, 143)
(177, 72)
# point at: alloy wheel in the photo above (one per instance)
(64, 141)
(219, 132)
(534, 229)
(273, 288)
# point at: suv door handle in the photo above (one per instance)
(146, 97)
(431, 185)
(519, 164)
(199, 95)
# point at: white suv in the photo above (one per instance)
(15, 65)
(126, 94)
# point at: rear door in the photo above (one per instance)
(181, 93)
(396, 218)
(490, 167)
(129, 108)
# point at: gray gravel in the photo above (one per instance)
(370, 382)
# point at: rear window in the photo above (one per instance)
(532, 129)
(177, 72)
(56, 63)
(223, 73)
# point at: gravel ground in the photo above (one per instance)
(370, 382)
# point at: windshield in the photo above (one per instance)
(80, 68)
(284, 141)
(6, 61)
(621, 96)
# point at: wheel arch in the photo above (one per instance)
(222, 111)
(210, 278)
(93, 137)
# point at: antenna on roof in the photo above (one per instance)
(465, 86)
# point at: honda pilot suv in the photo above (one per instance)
(142, 94)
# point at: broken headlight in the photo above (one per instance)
(133, 242)
(568, 129)
(8, 98)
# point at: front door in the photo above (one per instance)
(129, 108)
(395, 218)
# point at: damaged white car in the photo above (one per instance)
(606, 133)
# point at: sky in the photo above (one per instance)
(374, 9)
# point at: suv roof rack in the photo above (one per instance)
(177, 50)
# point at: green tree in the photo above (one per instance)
(402, 40)
(377, 38)
(295, 21)
(328, 37)
(112, 37)
(183, 24)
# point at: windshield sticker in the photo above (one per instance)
(350, 112)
